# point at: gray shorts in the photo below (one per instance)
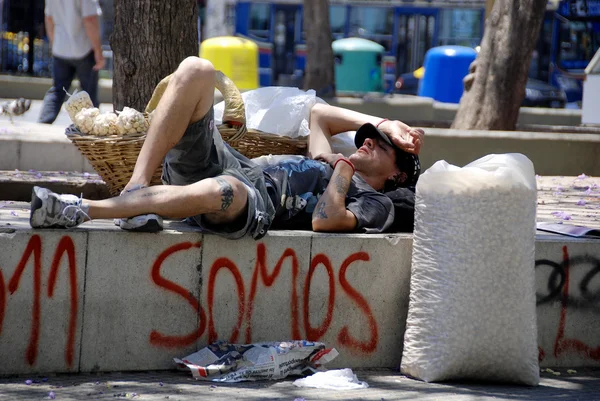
(200, 154)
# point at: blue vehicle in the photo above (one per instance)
(406, 30)
(575, 40)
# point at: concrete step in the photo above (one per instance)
(96, 298)
(402, 107)
(16, 185)
(30, 146)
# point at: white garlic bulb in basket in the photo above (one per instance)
(105, 124)
(131, 121)
(84, 120)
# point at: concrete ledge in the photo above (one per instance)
(41, 147)
(99, 299)
(12, 86)
(551, 153)
(403, 107)
(17, 185)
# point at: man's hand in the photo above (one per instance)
(100, 61)
(329, 158)
(406, 138)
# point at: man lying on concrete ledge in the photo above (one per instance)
(214, 187)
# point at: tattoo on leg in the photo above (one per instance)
(226, 193)
(153, 193)
(341, 185)
(321, 210)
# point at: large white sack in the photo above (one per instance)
(472, 292)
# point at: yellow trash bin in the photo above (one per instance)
(235, 57)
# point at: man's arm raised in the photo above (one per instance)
(326, 121)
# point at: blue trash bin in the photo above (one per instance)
(445, 68)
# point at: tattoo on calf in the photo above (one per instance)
(341, 185)
(226, 194)
(321, 210)
(153, 193)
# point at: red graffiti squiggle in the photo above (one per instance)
(67, 246)
(2, 300)
(162, 340)
(239, 282)
(34, 246)
(541, 354)
(268, 280)
(314, 334)
(562, 344)
(344, 336)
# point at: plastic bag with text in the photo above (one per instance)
(472, 300)
(224, 362)
(276, 110)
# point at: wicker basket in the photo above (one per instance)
(113, 157)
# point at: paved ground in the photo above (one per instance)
(569, 200)
(383, 385)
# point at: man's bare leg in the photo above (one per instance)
(221, 199)
(188, 98)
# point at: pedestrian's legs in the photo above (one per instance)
(188, 98)
(63, 73)
(88, 78)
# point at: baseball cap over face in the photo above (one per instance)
(407, 163)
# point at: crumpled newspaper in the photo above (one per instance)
(225, 362)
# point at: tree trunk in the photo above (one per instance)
(319, 55)
(493, 99)
(149, 40)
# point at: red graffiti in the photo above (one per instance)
(157, 338)
(313, 334)
(344, 336)
(34, 247)
(239, 282)
(245, 309)
(67, 246)
(261, 269)
(2, 300)
(561, 344)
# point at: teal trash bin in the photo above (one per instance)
(358, 65)
(445, 68)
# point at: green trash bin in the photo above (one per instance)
(358, 65)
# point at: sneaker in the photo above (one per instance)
(53, 210)
(147, 223)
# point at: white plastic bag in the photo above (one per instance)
(276, 110)
(472, 291)
(344, 143)
(339, 379)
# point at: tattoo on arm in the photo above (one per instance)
(320, 211)
(226, 193)
(341, 185)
